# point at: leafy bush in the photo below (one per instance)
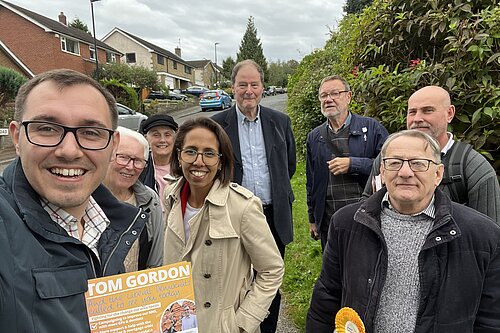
(136, 76)
(6, 116)
(122, 93)
(393, 48)
(10, 82)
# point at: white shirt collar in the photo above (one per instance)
(450, 143)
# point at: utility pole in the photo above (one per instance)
(216, 70)
(95, 41)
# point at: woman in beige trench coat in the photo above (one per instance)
(219, 227)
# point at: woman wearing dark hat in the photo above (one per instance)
(159, 130)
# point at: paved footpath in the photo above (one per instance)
(285, 323)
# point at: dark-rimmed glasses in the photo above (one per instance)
(332, 94)
(189, 155)
(124, 160)
(415, 164)
(49, 134)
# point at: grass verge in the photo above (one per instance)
(303, 255)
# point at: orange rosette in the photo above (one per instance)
(347, 320)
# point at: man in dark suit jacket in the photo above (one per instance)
(264, 153)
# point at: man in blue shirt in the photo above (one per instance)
(264, 153)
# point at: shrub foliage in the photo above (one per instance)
(393, 48)
(10, 82)
(122, 93)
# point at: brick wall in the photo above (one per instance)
(6, 61)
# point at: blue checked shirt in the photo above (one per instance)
(256, 175)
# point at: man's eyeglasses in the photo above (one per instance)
(124, 160)
(208, 157)
(416, 164)
(332, 94)
(48, 134)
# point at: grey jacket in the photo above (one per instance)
(151, 244)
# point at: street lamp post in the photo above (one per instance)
(216, 70)
(95, 41)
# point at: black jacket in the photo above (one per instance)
(459, 268)
(147, 176)
(43, 270)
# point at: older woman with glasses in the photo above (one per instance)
(122, 180)
(219, 227)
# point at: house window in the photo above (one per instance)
(70, 45)
(160, 59)
(110, 57)
(92, 52)
(187, 69)
(174, 64)
(130, 58)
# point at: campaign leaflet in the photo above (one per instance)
(157, 300)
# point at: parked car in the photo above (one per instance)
(196, 90)
(280, 90)
(215, 99)
(171, 95)
(177, 96)
(129, 118)
(270, 91)
(157, 95)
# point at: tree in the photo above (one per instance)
(356, 6)
(79, 24)
(124, 78)
(251, 47)
(10, 82)
(227, 67)
(136, 76)
(280, 71)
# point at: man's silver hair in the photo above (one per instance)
(430, 142)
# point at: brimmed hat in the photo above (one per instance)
(158, 120)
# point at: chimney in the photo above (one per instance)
(62, 18)
(178, 52)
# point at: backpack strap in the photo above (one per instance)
(454, 172)
(323, 131)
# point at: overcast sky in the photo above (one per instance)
(287, 29)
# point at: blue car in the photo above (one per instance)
(215, 99)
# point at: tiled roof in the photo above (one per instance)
(199, 63)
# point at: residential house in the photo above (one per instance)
(206, 73)
(41, 43)
(171, 69)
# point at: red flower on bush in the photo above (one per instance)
(414, 63)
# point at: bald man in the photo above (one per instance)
(476, 184)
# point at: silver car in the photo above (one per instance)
(129, 118)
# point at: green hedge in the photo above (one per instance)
(393, 48)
